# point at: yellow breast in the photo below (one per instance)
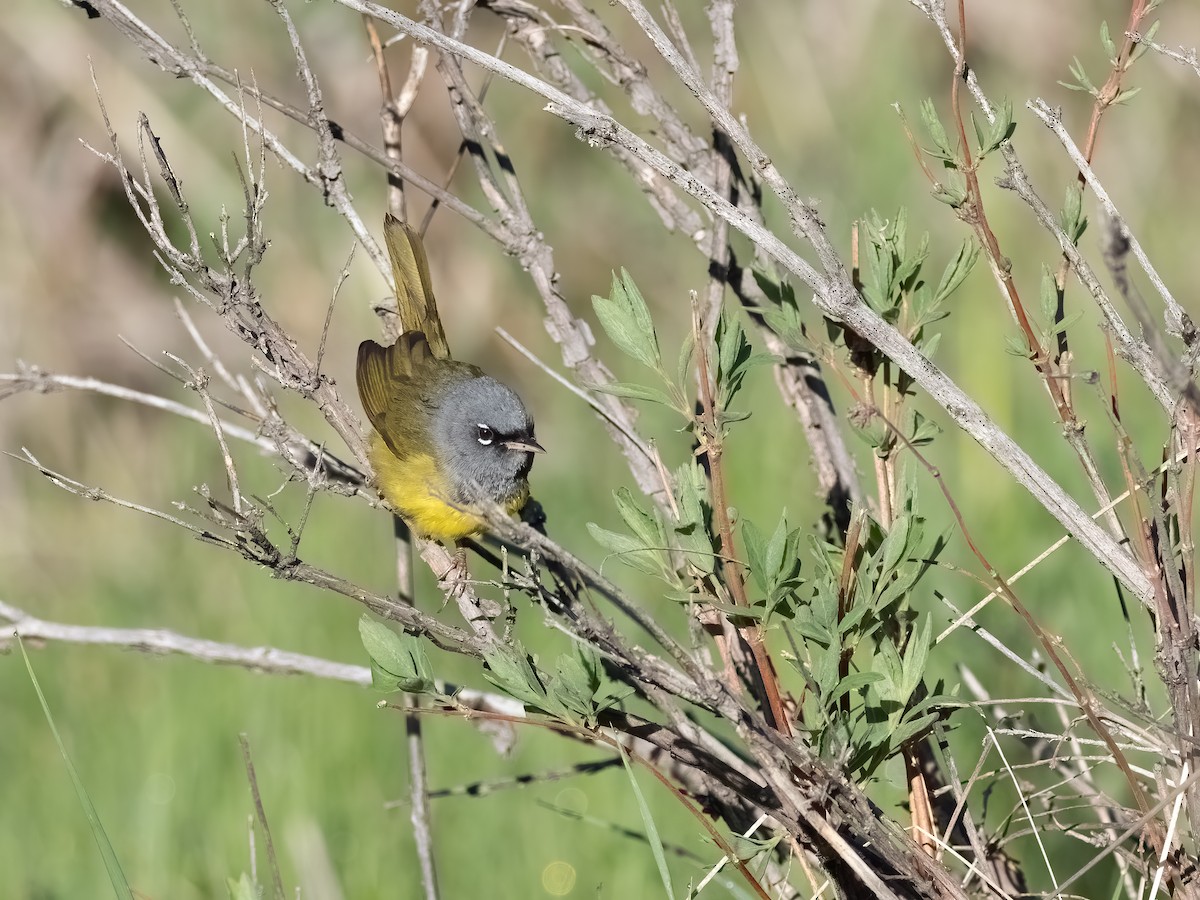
(419, 490)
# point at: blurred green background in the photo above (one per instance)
(155, 740)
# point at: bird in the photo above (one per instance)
(447, 437)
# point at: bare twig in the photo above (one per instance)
(31, 378)
(1178, 322)
(588, 397)
(269, 660)
(252, 543)
(276, 879)
(1186, 56)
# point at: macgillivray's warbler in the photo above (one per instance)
(446, 435)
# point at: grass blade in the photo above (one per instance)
(656, 845)
(111, 863)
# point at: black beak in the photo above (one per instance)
(529, 446)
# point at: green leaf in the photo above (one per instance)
(732, 417)
(732, 346)
(895, 545)
(735, 358)
(646, 526)
(1017, 345)
(785, 321)
(923, 431)
(899, 231)
(1067, 322)
(630, 550)
(576, 685)
(752, 539)
(1072, 219)
(957, 271)
(853, 682)
(1109, 47)
(588, 688)
(776, 547)
(512, 670)
(814, 631)
(952, 194)
(635, 392)
(398, 661)
(888, 663)
(692, 527)
(771, 288)
(916, 655)
(1144, 44)
(656, 845)
(825, 668)
(980, 134)
(1002, 127)
(782, 312)
(854, 617)
(116, 876)
(736, 612)
(747, 849)
(626, 320)
(1083, 83)
(574, 677)
(834, 742)
(933, 125)
(929, 345)
(909, 730)
(683, 369)
(1048, 294)
(909, 267)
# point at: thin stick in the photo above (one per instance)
(276, 879)
(37, 380)
(583, 395)
(965, 618)
(1178, 322)
(270, 660)
(390, 121)
(266, 660)
(200, 384)
(462, 147)
(201, 345)
(418, 781)
(337, 288)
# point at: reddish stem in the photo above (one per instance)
(711, 448)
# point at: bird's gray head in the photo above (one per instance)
(484, 438)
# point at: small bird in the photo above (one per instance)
(447, 436)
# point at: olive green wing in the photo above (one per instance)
(400, 385)
(414, 289)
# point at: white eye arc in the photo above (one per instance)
(486, 435)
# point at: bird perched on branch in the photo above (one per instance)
(447, 436)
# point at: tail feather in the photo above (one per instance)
(414, 290)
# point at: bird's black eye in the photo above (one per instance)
(486, 435)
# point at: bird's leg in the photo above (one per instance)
(479, 612)
(453, 580)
